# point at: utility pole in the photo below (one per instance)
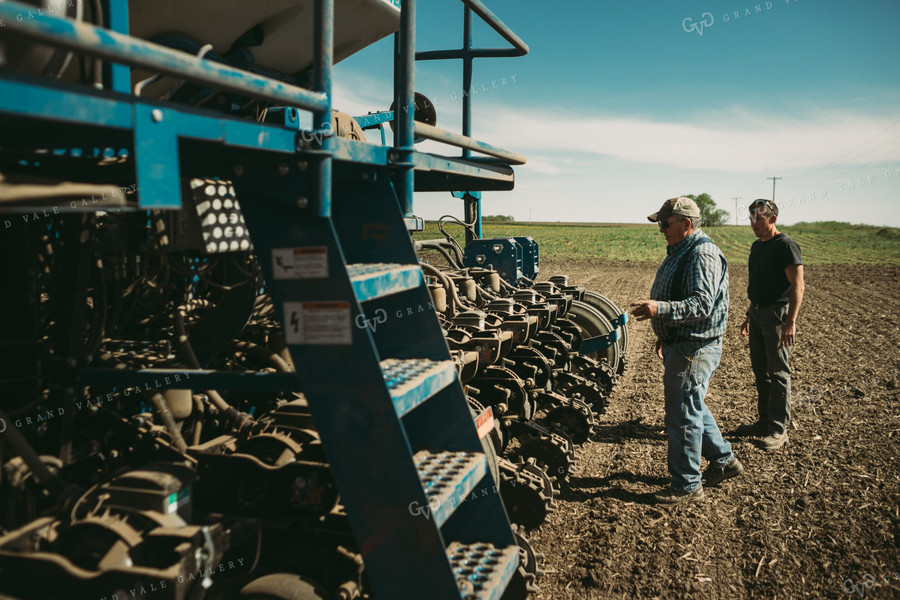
(735, 198)
(773, 186)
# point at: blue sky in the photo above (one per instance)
(621, 104)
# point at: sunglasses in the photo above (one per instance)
(665, 224)
(767, 203)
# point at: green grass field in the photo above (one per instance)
(828, 242)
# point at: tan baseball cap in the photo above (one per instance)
(681, 206)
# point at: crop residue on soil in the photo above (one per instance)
(818, 519)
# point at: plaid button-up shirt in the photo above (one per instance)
(702, 314)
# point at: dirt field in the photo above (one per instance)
(817, 519)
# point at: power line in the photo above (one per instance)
(845, 155)
(872, 149)
(773, 185)
(876, 159)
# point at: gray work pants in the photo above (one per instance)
(770, 366)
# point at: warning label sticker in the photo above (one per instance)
(300, 263)
(317, 323)
(485, 422)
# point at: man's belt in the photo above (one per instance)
(759, 305)
(692, 340)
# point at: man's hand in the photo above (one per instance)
(659, 348)
(745, 328)
(644, 309)
(788, 332)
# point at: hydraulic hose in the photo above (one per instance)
(12, 436)
(184, 343)
(437, 248)
(262, 353)
(237, 418)
(168, 420)
(451, 289)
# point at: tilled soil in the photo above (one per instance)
(817, 519)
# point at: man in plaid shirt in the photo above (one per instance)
(688, 310)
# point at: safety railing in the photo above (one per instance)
(468, 54)
(121, 50)
(430, 132)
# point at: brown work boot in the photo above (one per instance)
(714, 475)
(773, 441)
(670, 496)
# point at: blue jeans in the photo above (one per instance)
(691, 428)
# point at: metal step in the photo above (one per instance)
(376, 280)
(482, 570)
(448, 478)
(412, 381)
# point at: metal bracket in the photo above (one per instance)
(156, 157)
(601, 342)
(620, 321)
(313, 139)
(414, 223)
(400, 158)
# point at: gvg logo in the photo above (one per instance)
(706, 20)
(380, 317)
(317, 135)
(867, 582)
(426, 511)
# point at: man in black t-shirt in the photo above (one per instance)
(775, 292)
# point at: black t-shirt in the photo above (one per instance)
(768, 260)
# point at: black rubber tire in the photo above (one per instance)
(282, 586)
(611, 312)
(592, 323)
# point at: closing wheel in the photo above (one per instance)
(550, 449)
(573, 417)
(527, 492)
(598, 373)
(523, 583)
(578, 387)
(592, 323)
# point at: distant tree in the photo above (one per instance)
(712, 216)
(499, 218)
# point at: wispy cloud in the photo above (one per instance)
(361, 98)
(737, 142)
